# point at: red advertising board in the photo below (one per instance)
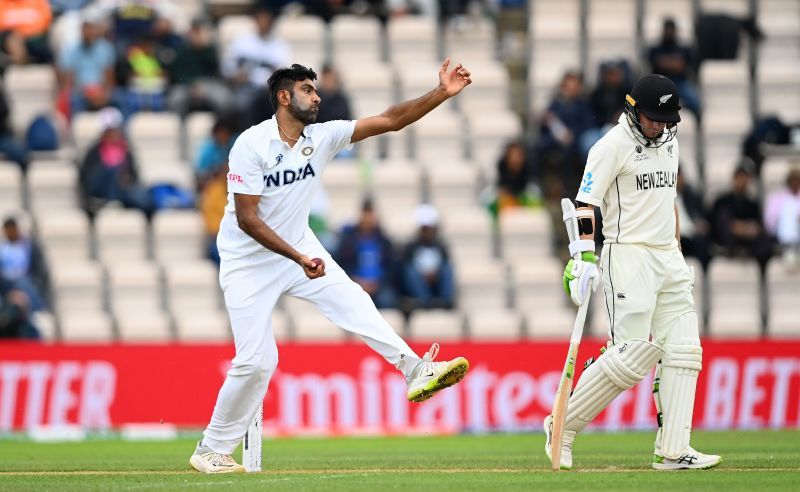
(346, 388)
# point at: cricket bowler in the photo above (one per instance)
(267, 249)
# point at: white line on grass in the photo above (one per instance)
(337, 473)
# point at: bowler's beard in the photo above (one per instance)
(305, 116)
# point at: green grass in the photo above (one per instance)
(752, 461)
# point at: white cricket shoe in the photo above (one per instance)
(566, 443)
(430, 377)
(690, 459)
(205, 460)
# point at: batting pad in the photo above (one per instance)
(619, 368)
(675, 384)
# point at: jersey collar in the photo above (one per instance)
(623, 120)
(272, 129)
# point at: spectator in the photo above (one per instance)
(213, 198)
(693, 224)
(674, 60)
(29, 19)
(736, 221)
(194, 76)
(567, 118)
(427, 271)
(22, 265)
(609, 95)
(143, 76)
(334, 105)
(12, 50)
(86, 70)
(515, 180)
(607, 101)
(15, 313)
(782, 217)
(250, 60)
(367, 256)
(108, 172)
(133, 20)
(768, 130)
(9, 145)
(213, 153)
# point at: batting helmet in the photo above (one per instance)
(656, 97)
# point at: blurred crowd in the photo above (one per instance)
(125, 56)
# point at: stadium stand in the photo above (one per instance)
(124, 276)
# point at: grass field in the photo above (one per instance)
(752, 461)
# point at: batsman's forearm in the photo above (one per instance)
(261, 232)
(405, 113)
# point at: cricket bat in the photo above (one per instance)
(565, 385)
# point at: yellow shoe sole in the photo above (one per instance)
(455, 373)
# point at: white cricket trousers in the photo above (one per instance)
(646, 290)
(252, 286)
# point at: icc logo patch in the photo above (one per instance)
(638, 149)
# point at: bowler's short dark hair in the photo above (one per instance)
(283, 79)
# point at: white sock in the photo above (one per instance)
(408, 365)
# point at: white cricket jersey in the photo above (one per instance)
(634, 186)
(285, 177)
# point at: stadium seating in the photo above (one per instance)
(121, 235)
(734, 288)
(64, 234)
(413, 43)
(356, 40)
(307, 37)
(494, 324)
(34, 88)
(482, 284)
(10, 187)
(53, 187)
(178, 235)
(436, 325)
(122, 278)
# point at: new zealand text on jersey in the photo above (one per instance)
(289, 176)
(656, 179)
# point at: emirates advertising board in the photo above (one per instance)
(345, 388)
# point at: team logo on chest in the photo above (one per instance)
(289, 176)
(669, 151)
(307, 151)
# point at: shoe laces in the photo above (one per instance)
(427, 365)
(431, 354)
(218, 459)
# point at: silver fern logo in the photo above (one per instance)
(663, 99)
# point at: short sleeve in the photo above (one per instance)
(245, 173)
(341, 132)
(602, 166)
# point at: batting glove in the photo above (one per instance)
(580, 276)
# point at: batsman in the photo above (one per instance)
(647, 286)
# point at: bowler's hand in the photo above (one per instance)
(312, 267)
(454, 81)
